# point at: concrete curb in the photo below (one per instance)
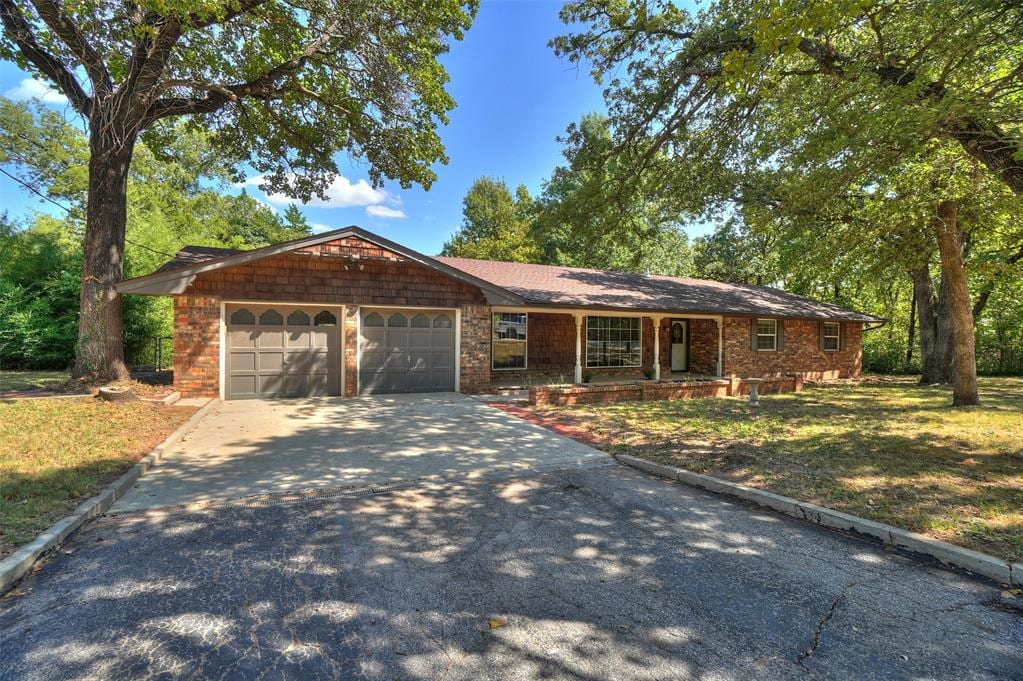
(950, 554)
(166, 400)
(18, 563)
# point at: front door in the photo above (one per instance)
(679, 345)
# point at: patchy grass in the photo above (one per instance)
(54, 453)
(888, 450)
(11, 381)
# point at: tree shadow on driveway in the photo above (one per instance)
(599, 573)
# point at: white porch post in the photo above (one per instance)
(578, 347)
(657, 348)
(721, 348)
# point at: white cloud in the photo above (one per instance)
(319, 227)
(30, 88)
(385, 212)
(341, 193)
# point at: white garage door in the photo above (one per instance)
(282, 351)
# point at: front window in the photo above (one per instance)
(613, 342)
(767, 334)
(832, 336)
(509, 340)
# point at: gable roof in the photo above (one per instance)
(517, 284)
(174, 276)
(573, 286)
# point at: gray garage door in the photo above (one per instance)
(282, 351)
(406, 351)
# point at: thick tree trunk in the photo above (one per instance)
(935, 331)
(964, 361)
(100, 348)
(911, 331)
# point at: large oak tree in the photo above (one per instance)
(825, 90)
(283, 85)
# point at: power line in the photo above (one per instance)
(72, 212)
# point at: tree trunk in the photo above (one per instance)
(100, 350)
(964, 361)
(935, 328)
(912, 328)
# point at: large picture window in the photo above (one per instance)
(508, 346)
(767, 334)
(614, 342)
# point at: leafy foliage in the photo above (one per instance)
(176, 197)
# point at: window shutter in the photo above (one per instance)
(841, 336)
(820, 335)
(753, 334)
(779, 327)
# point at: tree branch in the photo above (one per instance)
(49, 11)
(17, 26)
(219, 95)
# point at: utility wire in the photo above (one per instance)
(72, 212)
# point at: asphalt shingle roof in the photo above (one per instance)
(544, 285)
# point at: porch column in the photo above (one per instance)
(721, 346)
(657, 347)
(578, 347)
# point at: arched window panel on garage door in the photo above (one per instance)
(271, 318)
(325, 318)
(243, 317)
(298, 318)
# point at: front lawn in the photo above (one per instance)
(54, 453)
(886, 449)
(20, 381)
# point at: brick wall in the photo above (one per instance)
(800, 351)
(474, 367)
(351, 351)
(197, 346)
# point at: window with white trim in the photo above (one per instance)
(508, 340)
(614, 342)
(767, 334)
(831, 336)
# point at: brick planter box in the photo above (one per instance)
(657, 390)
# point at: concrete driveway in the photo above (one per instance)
(587, 573)
(249, 447)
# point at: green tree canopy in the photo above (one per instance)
(495, 224)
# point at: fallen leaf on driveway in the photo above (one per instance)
(497, 622)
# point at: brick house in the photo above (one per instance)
(349, 312)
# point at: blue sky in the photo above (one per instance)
(513, 98)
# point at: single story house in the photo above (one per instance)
(348, 312)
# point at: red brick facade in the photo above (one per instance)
(197, 346)
(353, 272)
(800, 351)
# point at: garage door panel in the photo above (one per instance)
(269, 339)
(241, 338)
(406, 350)
(419, 338)
(241, 385)
(271, 361)
(282, 351)
(299, 338)
(242, 361)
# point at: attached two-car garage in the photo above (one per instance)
(277, 350)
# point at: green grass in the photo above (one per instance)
(29, 380)
(888, 450)
(54, 453)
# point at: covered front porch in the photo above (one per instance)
(585, 346)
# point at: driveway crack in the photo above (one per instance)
(822, 624)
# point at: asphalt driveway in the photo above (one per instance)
(593, 572)
(250, 447)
